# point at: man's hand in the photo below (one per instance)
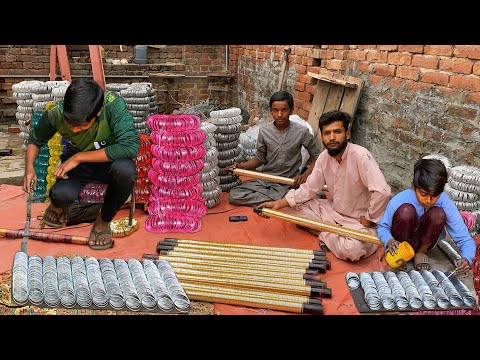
(392, 246)
(235, 165)
(27, 180)
(462, 267)
(274, 205)
(299, 180)
(366, 223)
(62, 169)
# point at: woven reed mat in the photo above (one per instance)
(7, 307)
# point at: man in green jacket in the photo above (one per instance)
(101, 146)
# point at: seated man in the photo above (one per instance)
(358, 190)
(419, 216)
(102, 144)
(279, 147)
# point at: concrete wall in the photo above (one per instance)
(417, 99)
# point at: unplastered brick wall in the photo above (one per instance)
(204, 58)
(257, 69)
(21, 62)
(417, 99)
(158, 54)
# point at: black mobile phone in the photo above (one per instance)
(238, 218)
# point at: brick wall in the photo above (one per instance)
(417, 99)
(32, 62)
(165, 54)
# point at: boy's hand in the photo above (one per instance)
(462, 267)
(392, 246)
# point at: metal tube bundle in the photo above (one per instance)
(235, 266)
(319, 225)
(247, 275)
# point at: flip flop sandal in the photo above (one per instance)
(54, 219)
(421, 262)
(97, 234)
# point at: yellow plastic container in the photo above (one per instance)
(404, 253)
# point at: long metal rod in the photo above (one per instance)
(238, 267)
(319, 225)
(243, 246)
(26, 231)
(266, 251)
(259, 285)
(226, 253)
(267, 177)
(277, 262)
(244, 298)
(206, 259)
(263, 176)
(245, 274)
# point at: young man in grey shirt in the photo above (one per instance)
(279, 147)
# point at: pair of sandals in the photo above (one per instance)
(58, 220)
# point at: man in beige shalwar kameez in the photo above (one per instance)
(358, 191)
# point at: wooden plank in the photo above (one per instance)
(334, 99)
(344, 81)
(316, 109)
(165, 75)
(97, 65)
(53, 62)
(351, 99)
(220, 75)
(218, 88)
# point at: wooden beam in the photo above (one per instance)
(166, 75)
(97, 65)
(337, 81)
(53, 62)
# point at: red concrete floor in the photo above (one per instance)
(215, 227)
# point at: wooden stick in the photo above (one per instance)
(319, 225)
(58, 238)
(285, 54)
(262, 176)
